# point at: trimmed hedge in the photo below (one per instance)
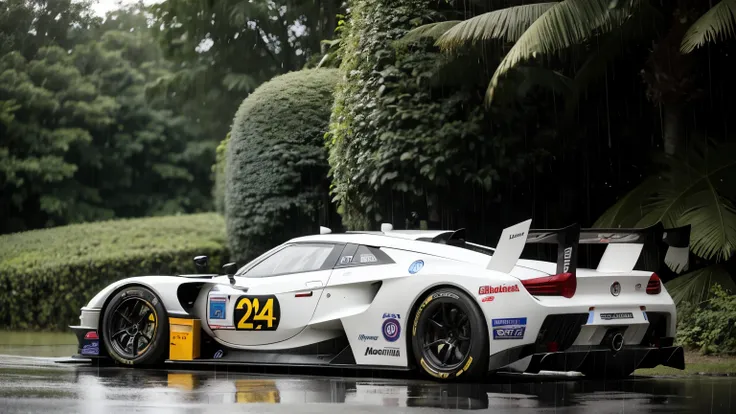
(276, 171)
(47, 275)
(218, 173)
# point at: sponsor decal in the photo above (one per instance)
(218, 354)
(567, 255)
(391, 315)
(615, 289)
(486, 290)
(363, 337)
(391, 329)
(92, 348)
(508, 328)
(368, 258)
(513, 236)
(465, 368)
(393, 352)
(618, 315)
(218, 308)
(431, 371)
(488, 299)
(591, 315)
(346, 259)
(416, 266)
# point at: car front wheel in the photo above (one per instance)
(135, 327)
(449, 336)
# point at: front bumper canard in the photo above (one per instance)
(88, 342)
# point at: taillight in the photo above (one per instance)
(563, 284)
(655, 285)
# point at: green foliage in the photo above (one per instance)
(405, 128)
(696, 286)
(226, 48)
(718, 22)
(276, 166)
(709, 326)
(82, 142)
(47, 275)
(218, 171)
(694, 188)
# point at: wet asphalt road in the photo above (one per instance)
(41, 385)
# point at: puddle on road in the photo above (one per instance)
(39, 344)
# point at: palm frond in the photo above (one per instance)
(630, 209)
(429, 30)
(693, 191)
(694, 287)
(713, 221)
(561, 26)
(718, 22)
(507, 24)
(546, 78)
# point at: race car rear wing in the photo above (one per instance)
(627, 249)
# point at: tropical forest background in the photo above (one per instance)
(133, 141)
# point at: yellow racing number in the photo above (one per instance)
(257, 313)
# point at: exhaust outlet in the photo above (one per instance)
(617, 342)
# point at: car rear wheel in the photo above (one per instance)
(135, 327)
(449, 336)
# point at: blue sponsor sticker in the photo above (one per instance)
(591, 315)
(509, 328)
(92, 348)
(391, 329)
(217, 308)
(416, 266)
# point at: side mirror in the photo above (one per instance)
(202, 262)
(230, 269)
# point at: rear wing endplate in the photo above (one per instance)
(644, 248)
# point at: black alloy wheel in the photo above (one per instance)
(135, 327)
(449, 336)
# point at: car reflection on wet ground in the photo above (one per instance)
(39, 385)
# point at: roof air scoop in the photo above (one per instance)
(324, 230)
(386, 227)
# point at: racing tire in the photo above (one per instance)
(135, 327)
(449, 337)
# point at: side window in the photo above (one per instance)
(354, 255)
(293, 259)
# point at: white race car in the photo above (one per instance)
(406, 300)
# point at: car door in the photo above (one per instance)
(282, 293)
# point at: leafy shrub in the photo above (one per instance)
(710, 326)
(408, 126)
(218, 171)
(46, 276)
(276, 172)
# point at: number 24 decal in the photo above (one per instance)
(257, 313)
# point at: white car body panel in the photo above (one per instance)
(355, 301)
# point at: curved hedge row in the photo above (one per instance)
(47, 275)
(276, 171)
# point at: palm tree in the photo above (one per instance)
(694, 188)
(543, 29)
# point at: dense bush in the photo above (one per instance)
(218, 172)
(276, 172)
(47, 275)
(403, 132)
(711, 326)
